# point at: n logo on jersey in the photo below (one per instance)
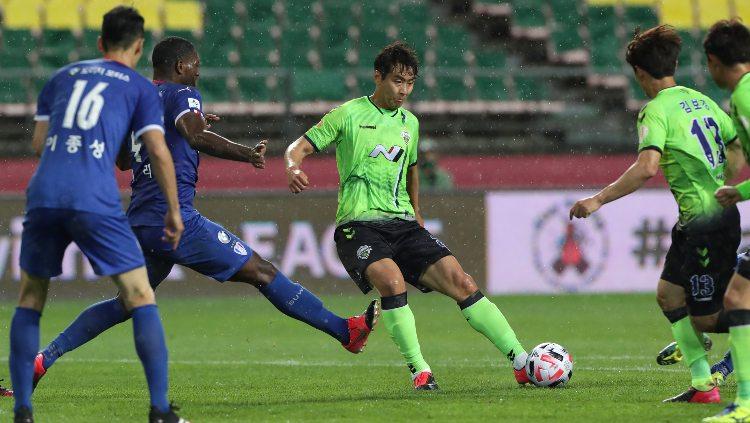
(393, 154)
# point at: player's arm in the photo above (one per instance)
(194, 128)
(735, 160)
(163, 168)
(412, 187)
(37, 139)
(729, 195)
(637, 174)
(293, 157)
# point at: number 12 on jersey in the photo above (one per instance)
(697, 131)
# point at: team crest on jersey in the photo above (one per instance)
(363, 252)
(405, 135)
(223, 237)
(240, 249)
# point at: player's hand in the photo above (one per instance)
(727, 196)
(420, 219)
(584, 208)
(173, 228)
(258, 158)
(210, 117)
(297, 179)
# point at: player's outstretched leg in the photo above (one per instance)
(88, 325)
(297, 302)
(24, 342)
(398, 319)
(447, 276)
(148, 334)
(737, 306)
(721, 370)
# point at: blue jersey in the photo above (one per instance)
(92, 107)
(147, 203)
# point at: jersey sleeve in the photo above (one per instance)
(652, 132)
(727, 129)
(149, 112)
(44, 101)
(327, 130)
(186, 100)
(742, 109)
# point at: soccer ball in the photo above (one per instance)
(550, 365)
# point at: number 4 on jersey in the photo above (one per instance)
(711, 125)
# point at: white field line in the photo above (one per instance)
(374, 363)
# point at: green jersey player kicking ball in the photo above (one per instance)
(380, 236)
(693, 141)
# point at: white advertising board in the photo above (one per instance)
(532, 246)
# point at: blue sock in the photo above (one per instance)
(295, 301)
(24, 344)
(152, 350)
(728, 361)
(87, 326)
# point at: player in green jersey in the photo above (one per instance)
(693, 141)
(380, 236)
(727, 47)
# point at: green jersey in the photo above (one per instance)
(690, 131)
(740, 111)
(374, 148)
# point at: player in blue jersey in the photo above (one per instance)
(84, 113)
(206, 247)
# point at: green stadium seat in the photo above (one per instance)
(213, 89)
(639, 17)
(605, 46)
(319, 85)
(16, 48)
(490, 58)
(88, 48)
(692, 48)
(254, 47)
(565, 35)
(13, 90)
(254, 89)
(635, 90)
(334, 56)
(57, 46)
(300, 14)
(296, 45)
(491, 88)
(452, 88)
(528, 13)
(414, 13)
(531, 88)
(454, 42)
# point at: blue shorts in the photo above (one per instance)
(205, 247)
(107, 241)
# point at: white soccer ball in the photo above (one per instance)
(550, 365)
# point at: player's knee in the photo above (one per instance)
(258, 272)
(464, 284)
(668, 302)
(733, 300)
(136, 296)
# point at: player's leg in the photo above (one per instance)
(93, 321)
(448, 277)
(43, 244)
(24, 340)
(398, 319)
(291, 298)
(737, 306)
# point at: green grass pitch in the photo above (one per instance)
(239, 360)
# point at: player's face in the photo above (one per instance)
(396, 86)
(189, 69)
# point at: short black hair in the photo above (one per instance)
(169, 50)
(121, 27)
(729, 41)
(394, 55)
(655, 51)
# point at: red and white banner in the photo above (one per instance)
(533, 247)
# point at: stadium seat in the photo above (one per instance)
(213, 89)
(254, 46)
(88, 48)
(23, 14)
(491, 88)
(639, 17)
(319, 85)
(567, 21)
(17, 48)
(59, 47)
(296, 46)
(63, 15)
(531, 88)
(183, 16)
(452, 88)
(605, 46)
(254, 88)
(13, 90)
(527, 13)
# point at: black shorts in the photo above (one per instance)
(411, 246)
(702, 259)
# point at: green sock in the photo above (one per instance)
(739, 342)
(403, 330)
(487, 319)
(691, 345)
